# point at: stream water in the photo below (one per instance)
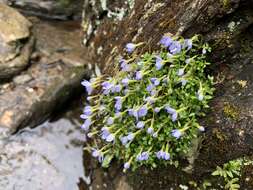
(48, 157)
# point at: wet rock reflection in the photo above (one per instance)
(48, 157)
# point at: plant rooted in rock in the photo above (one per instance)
(147, 113)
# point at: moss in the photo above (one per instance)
(226, 3)
(231, 111)
(219, 135)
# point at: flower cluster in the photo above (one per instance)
(147, 113)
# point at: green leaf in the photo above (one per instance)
(230, 174)
(107, 160)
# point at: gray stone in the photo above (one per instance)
(52, 9)
(15, 45)
(22, 79)
(53, 78)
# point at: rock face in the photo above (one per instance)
(228, 27)
(15, 42)
(51, 9)
(57, 67)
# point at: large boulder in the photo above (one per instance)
(228, 27)
(15, 42)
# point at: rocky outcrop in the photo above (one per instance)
(228, 27)
(15, 42)
(58, 65)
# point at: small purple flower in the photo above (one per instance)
(150, 130)
(124, 140)
(163, 155)
(187, 44)
(153, 92)
(95, 153)
(166, 41)
(155, 81)
(175, 47)
(166, 156)
(143, 156)
(142, 112)
(125, 81)
(110, 138)
(105, 133)
(170, 110)
(157, 110)
(83, 116)
(130, 136)
(140, 125)
(138, 75)
(158, 62)
(160, 154)
(110, 121)
(155, 135)
(150, 87)
(86, 124)
(174, 116)
(116, 88)
(139, 157)
(126, 165)
(107, 86)
(118, 104)
(88, 86)
(180, 72)
(133, 112)
(89, 98)
(124, 65)
(176, 133)
(130, 47)
(183, 82)
(87, 110)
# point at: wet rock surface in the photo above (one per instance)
(58, 65)
(48, 157)
(16, 44)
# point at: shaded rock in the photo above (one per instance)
(55, 76)
(51, 9)
(15, 47)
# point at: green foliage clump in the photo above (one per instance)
(147, 113)
(231, 172)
